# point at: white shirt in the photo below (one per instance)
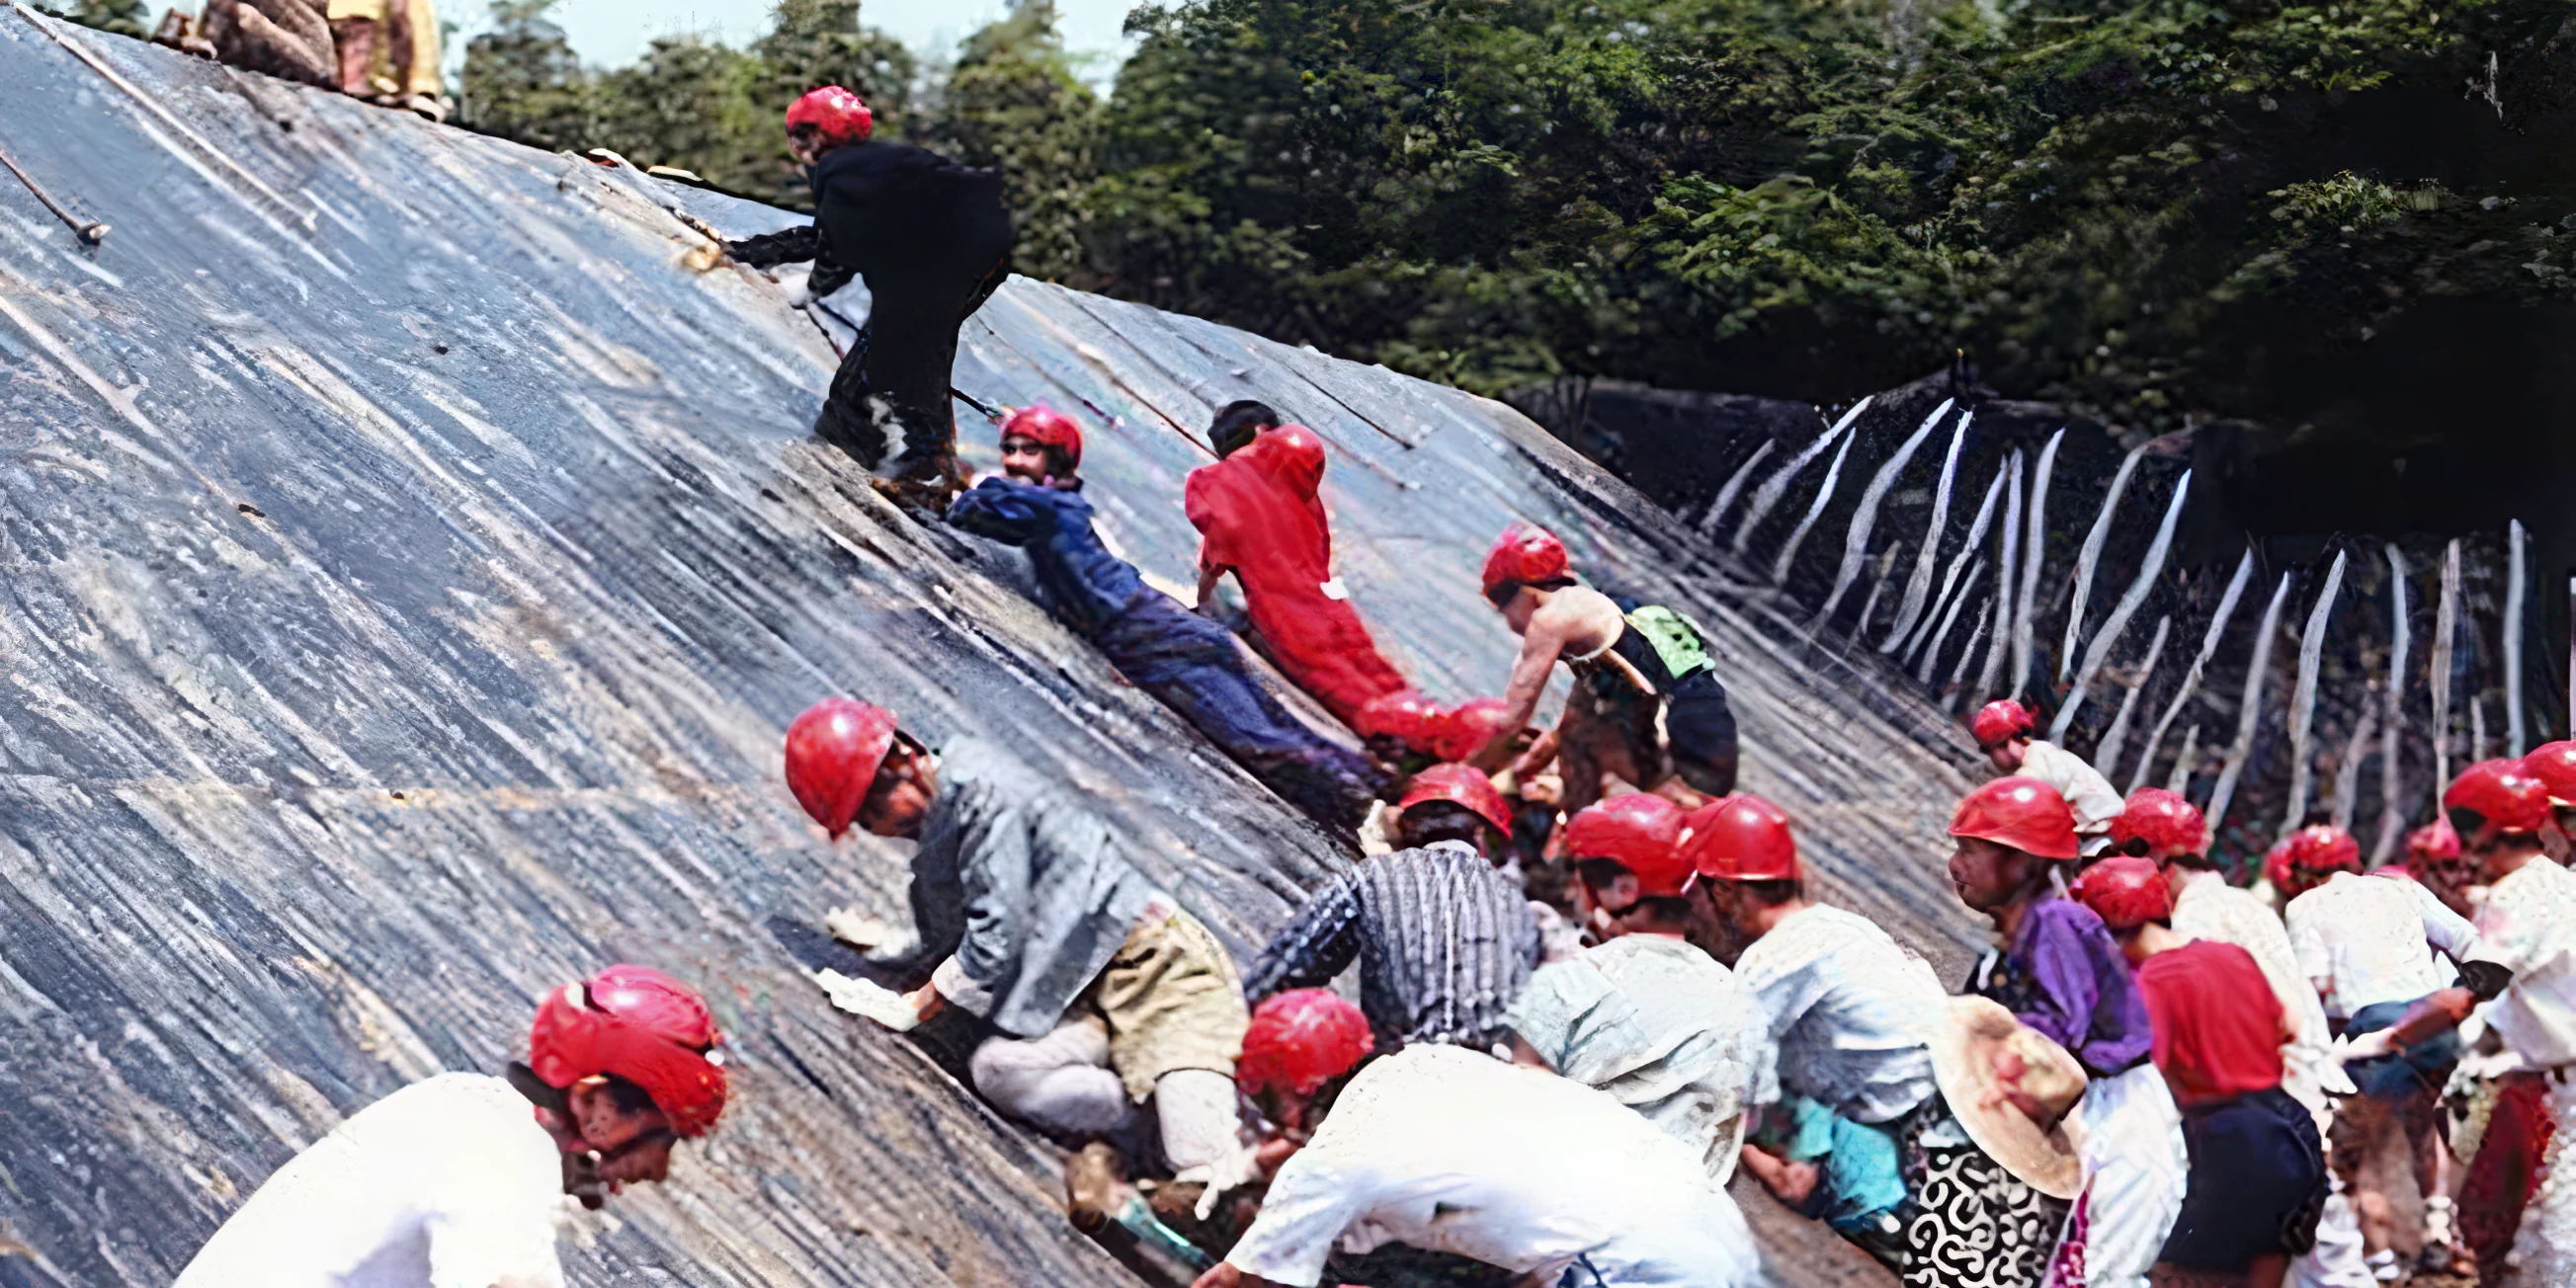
(447, 1183)
(2528, 926)
(2209, 908)
(2087, 792)
(2367, 940)
(1444, 1149)
(1850, 1011)
(1665, 1030)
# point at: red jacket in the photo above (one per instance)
(1260, 515)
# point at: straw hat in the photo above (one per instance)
(2042, 1151)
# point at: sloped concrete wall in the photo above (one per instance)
(408, 568)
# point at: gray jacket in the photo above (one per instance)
(1025, 890)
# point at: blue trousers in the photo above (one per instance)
(1191, 665)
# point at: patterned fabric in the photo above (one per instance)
(2209, 908)
(1850, 1010)
(1662, 1028)
(2064, 976)
(2544, 1252)
(1975, 1226)
(2504, 1170)
(1444, 941)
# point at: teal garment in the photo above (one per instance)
(1862, 1169)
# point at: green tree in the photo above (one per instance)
(813, 43)
(1013, 101)
(523, 82)
(694, 104)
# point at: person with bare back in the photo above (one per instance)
(1647, 706)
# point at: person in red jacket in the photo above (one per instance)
(1260, 517)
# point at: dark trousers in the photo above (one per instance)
(1191, 665)
(896, 374)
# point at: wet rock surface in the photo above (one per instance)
(409, 565)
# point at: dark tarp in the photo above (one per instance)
(408, 568)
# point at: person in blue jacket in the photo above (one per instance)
(1189, 663)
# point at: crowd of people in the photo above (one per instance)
(1588, 980)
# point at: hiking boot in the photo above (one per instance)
(921, 486)
(1095, 1187)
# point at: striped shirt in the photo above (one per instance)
(1443, 940)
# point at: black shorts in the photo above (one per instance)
(2257, 1184)
(1699, 731)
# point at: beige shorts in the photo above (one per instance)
(1171, 1000)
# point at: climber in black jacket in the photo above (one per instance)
(932, 239)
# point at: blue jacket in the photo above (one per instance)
(1079, 581)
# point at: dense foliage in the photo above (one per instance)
(2118, 203)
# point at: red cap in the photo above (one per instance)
(1642, 832)
(1408, 717)
(1459, 785)
(2164, 820)
(836, 112)
(833, 753)
(2276, 867)
(2314, 854)
(1463, 730)
(2023, 813)
(2001, 721)
(1299, 1040)
(1743, 838)
(2436, 841)
(2126, 892)
(1525, 555)
(639, 1024)
(2554, 764)
(1046, 426)
(2502, 795)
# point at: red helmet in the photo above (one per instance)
(836, 112)
(2314, 854)
(2503, 796)
(1046, 426)
(2022, 813)
(2554, 764)
(2276, 867)
(833, 753)
(2164, 820)
(1408, 717)
(2126, 892)
(638, 1024)
(1523, 556)
(1459, 785)
(2001, 721)
(1463, 730)
(1743, 838)
(1641, 831)
(1301, 1039)
(2436, 841)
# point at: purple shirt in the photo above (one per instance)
(2064, 976)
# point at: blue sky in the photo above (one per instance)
(611, 33)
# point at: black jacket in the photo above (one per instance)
(899, 216)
